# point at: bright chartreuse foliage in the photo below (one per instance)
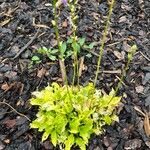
(68, 115)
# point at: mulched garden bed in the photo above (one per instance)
(26, 25)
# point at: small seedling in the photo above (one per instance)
(50, 53)
(34, 60)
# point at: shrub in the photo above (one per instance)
(69, 114)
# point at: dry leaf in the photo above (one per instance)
(65, 24)
(41, 72)
(10, 123)
(147, 125)
(5, 87)
(118, 55)
(40, 25)
(122, 19)
(81, 66)
(5, 22)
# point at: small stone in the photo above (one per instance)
(26, 54)
(109, 148)
(3, 112)
(2, 146)
(133, 144)
(106, 141)
(147, 101)
(122, 19)
(97, 148)
(5, 68)
(139, 89)
(146, 78)
(47, 145)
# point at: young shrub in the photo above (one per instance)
(68, 115)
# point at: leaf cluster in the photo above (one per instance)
(68, 115)
(66, 49)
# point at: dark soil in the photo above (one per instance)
(19, 39)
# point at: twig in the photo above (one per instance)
(26, 46)
(94, 53)
(112, 71)
(140, 111)
(15, 110)
(144, 56)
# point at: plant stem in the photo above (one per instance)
(103, 40)
(131, 53)
(61, 60)
(124, 72)
(73, 19)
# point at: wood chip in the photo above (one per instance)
(147, 125)
(4, 22)
(122, 19)
(10, 123)
(41, 72)
(65, 24)
(118, 55)
(81, 66)
(39, 25)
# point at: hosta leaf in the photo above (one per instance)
(107, 119)
(74, 125)
(45, 136)
(35, 124)
(54, 138)
(81, 143)
(69, 142)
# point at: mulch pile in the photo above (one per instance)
(26, 25)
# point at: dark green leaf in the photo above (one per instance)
(35, 58)
(54, 51)
(70, 40)
(76, 46)
(63, 47)
(51, 57)
(81, 41)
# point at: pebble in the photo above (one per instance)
(5, 68)
(2, 146)
(147, 101)
(2, 113)
(146, 78)
(133, 144)
(26, 54)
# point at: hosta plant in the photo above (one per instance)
(69, 115)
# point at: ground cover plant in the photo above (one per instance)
(69, 115)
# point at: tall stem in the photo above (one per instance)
(61, 60)
(124, 71)
(103, 40)
(73, 19)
